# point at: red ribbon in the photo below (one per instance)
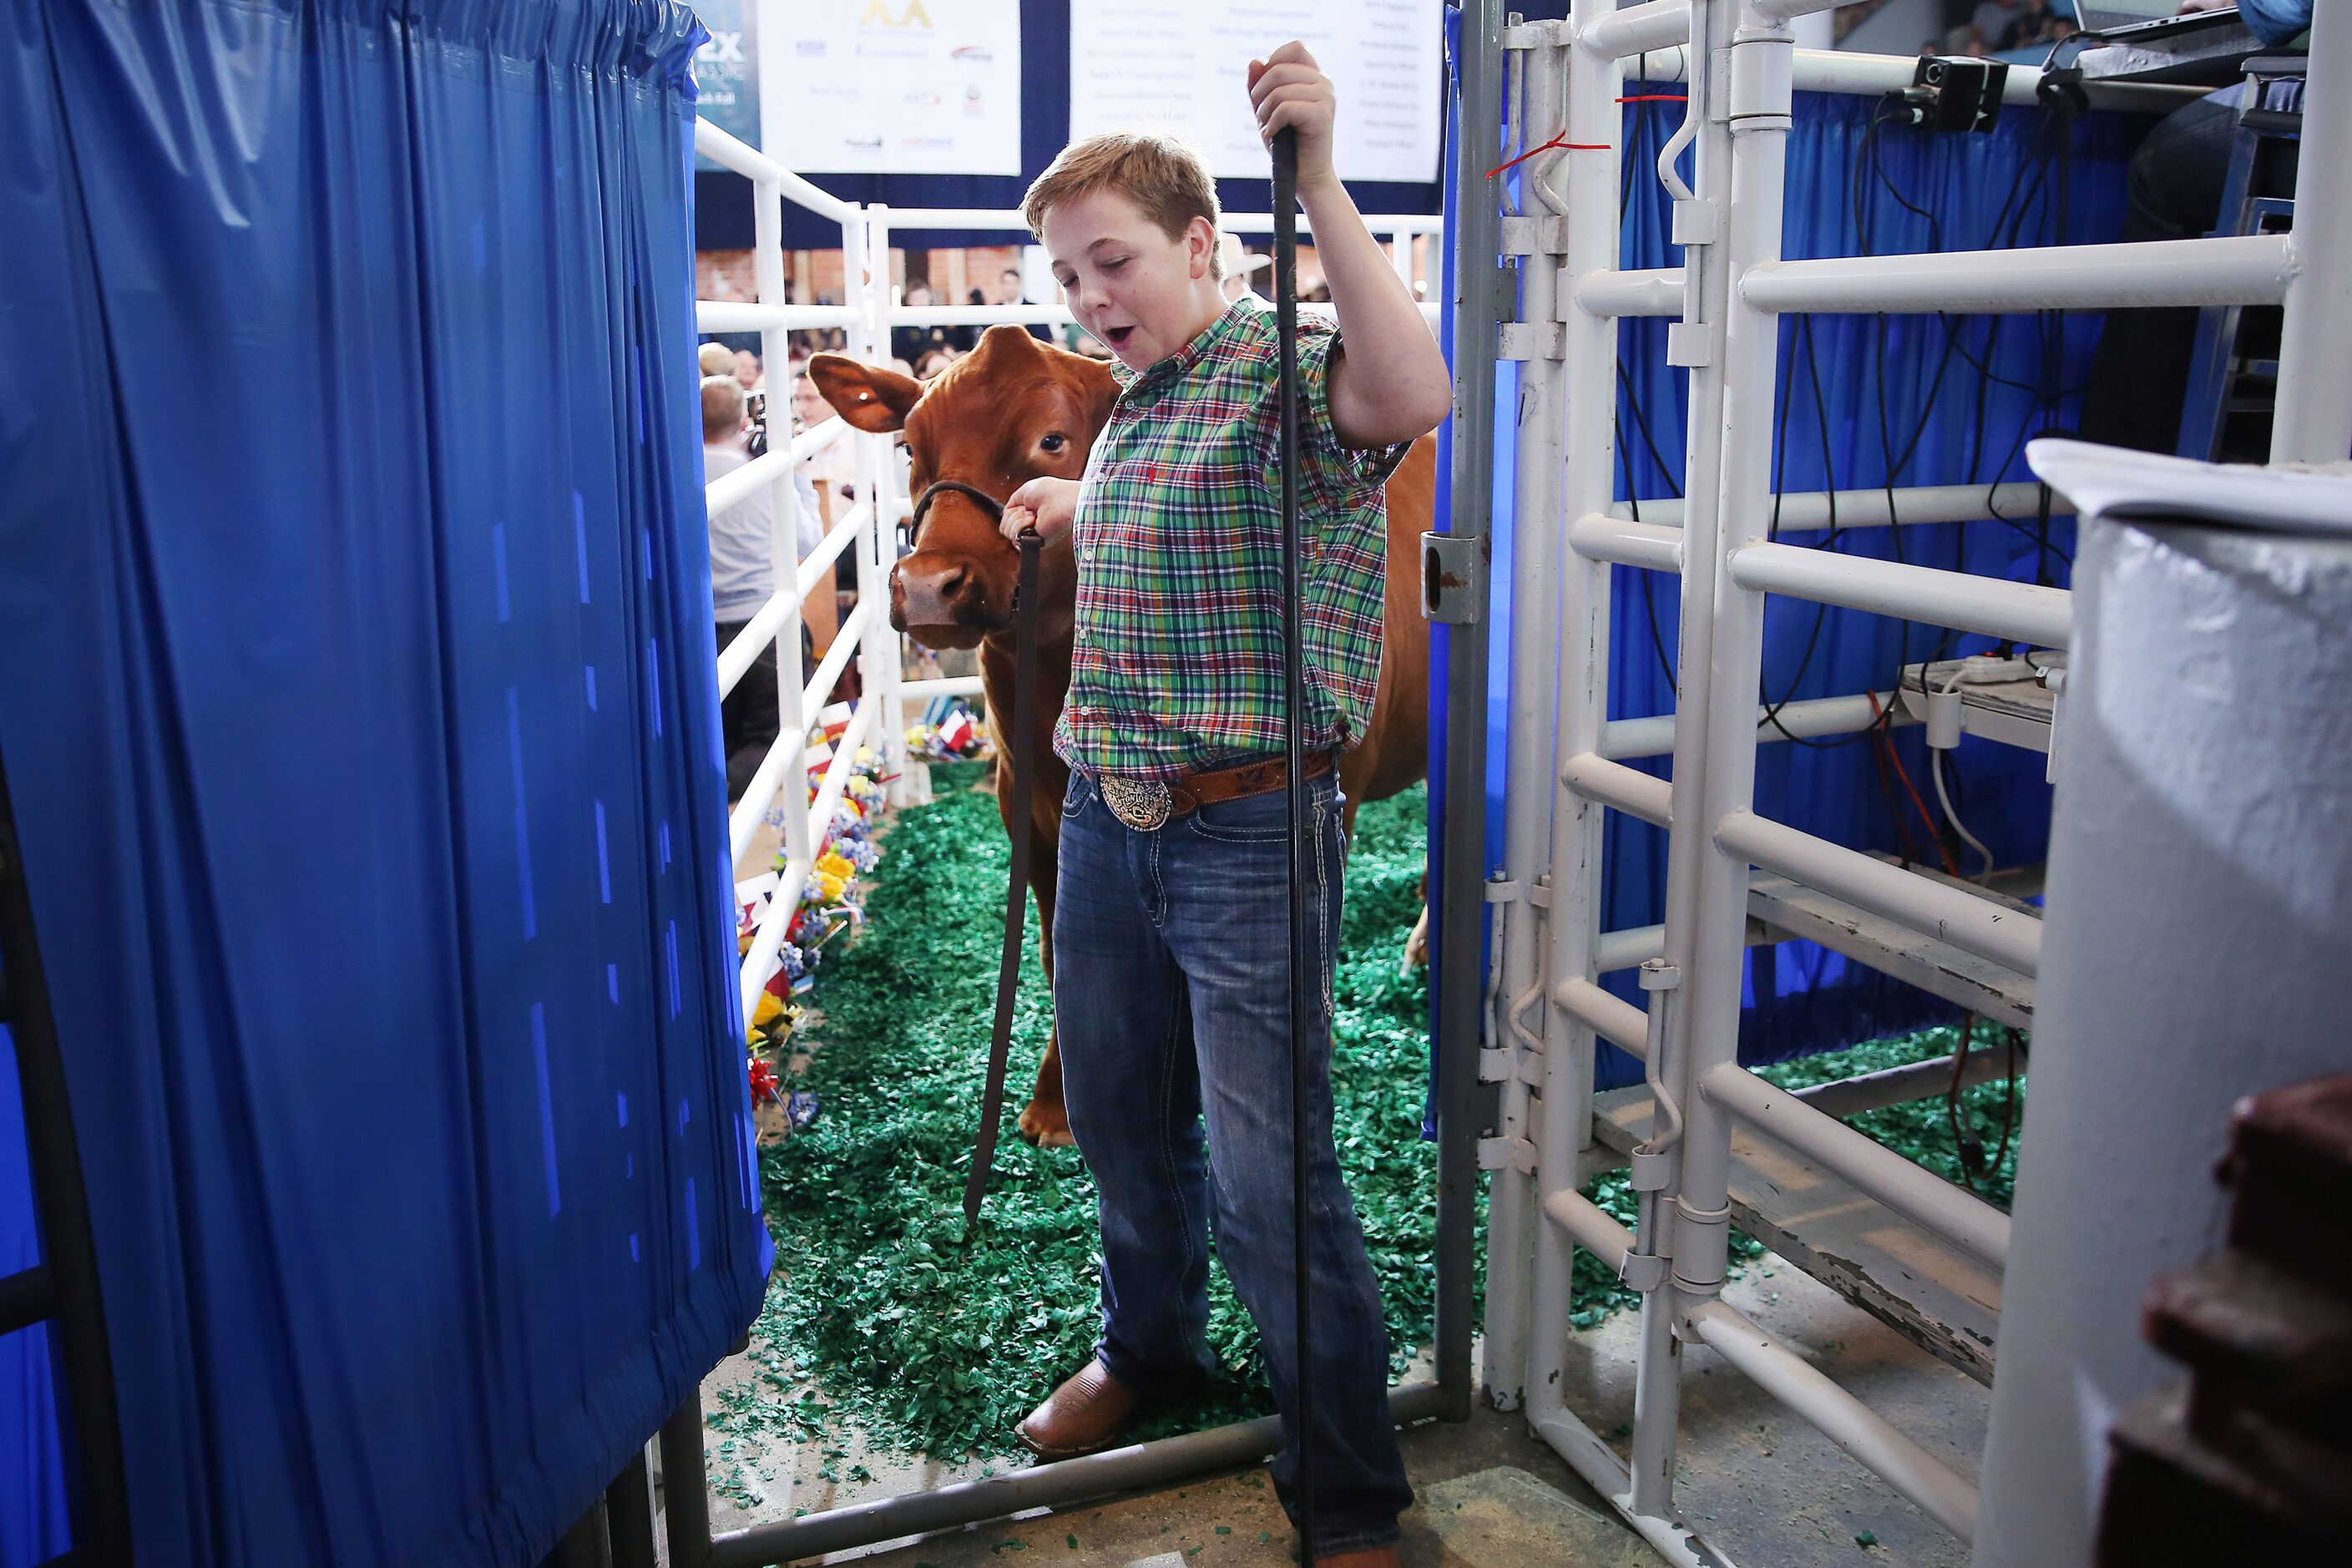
(1655, 97)
(1555, 142)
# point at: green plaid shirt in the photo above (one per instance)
(1178, 660)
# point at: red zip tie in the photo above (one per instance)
(1655, 97)
(1555, 142)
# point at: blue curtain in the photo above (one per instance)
(355, 632)
(1866, 402)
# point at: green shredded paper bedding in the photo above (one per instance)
(880, 1313)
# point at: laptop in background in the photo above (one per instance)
(2146, 21)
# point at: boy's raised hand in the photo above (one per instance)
(1286, 88)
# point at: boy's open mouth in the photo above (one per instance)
(1119, 336)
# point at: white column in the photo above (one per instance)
(2314, 419)
(1519, 1008)
(1702, 220)
(884, 653)
(1584, 437)
(1712, 920)
(783, 551)
(2200, 894)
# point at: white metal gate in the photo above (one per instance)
(1566, 761)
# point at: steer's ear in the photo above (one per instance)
(871, 398)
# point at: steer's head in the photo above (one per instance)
(1013, 410)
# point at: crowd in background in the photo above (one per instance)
(738, 421)
(1998, 25)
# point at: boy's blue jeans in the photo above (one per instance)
(1171, 997)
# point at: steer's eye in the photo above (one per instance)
(1055, 442)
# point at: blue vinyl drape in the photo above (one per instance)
(357, 703)
(1866, 402)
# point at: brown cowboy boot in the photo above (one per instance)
(1082, 1416)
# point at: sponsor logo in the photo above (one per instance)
(814, 47)
(724, 48)
(924, 100)
(971, 54)
(863, 143)
(877, 14)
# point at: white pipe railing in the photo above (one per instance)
(1644, 543)
(1876, 508)
(773, 467)
(1623, 740)
(836, 657)
(2233, 269)
(738, 656)
(2312, 420)
(744, 821)
(1628, 790)
(750, 316)
(768, 940)
(1919, 1195)
(2022, 612)
(1620, 1023)
(730, 152)
(1867, 76)
(1639, 291)
(1927, 1482)
(1969, 921)
(943, 685)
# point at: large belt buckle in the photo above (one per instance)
(1141, 804)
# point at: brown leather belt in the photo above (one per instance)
(1148, 804)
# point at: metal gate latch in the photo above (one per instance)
(1454, 578)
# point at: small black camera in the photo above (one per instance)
(1951, 94)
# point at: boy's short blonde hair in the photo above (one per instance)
(1161, 174)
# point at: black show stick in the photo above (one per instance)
(1303, 989)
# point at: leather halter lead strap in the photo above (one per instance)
(1013, 742)
(979, 498)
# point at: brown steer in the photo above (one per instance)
(1015, 409)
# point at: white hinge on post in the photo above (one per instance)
(1531, 1069)
(1536, 35)
(1506, 1154)
(1495, 1065)
(1540, 235)
(1761, 90)
(1503, 890)
(1533, 340)
(1689, 344)
(1540, 895)
(1718, 81)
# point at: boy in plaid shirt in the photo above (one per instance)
(1171, 990)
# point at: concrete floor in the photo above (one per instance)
(1757, 1482)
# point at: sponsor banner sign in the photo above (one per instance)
(1183, 66)
(899, 87)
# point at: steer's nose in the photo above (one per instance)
(929, 595)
